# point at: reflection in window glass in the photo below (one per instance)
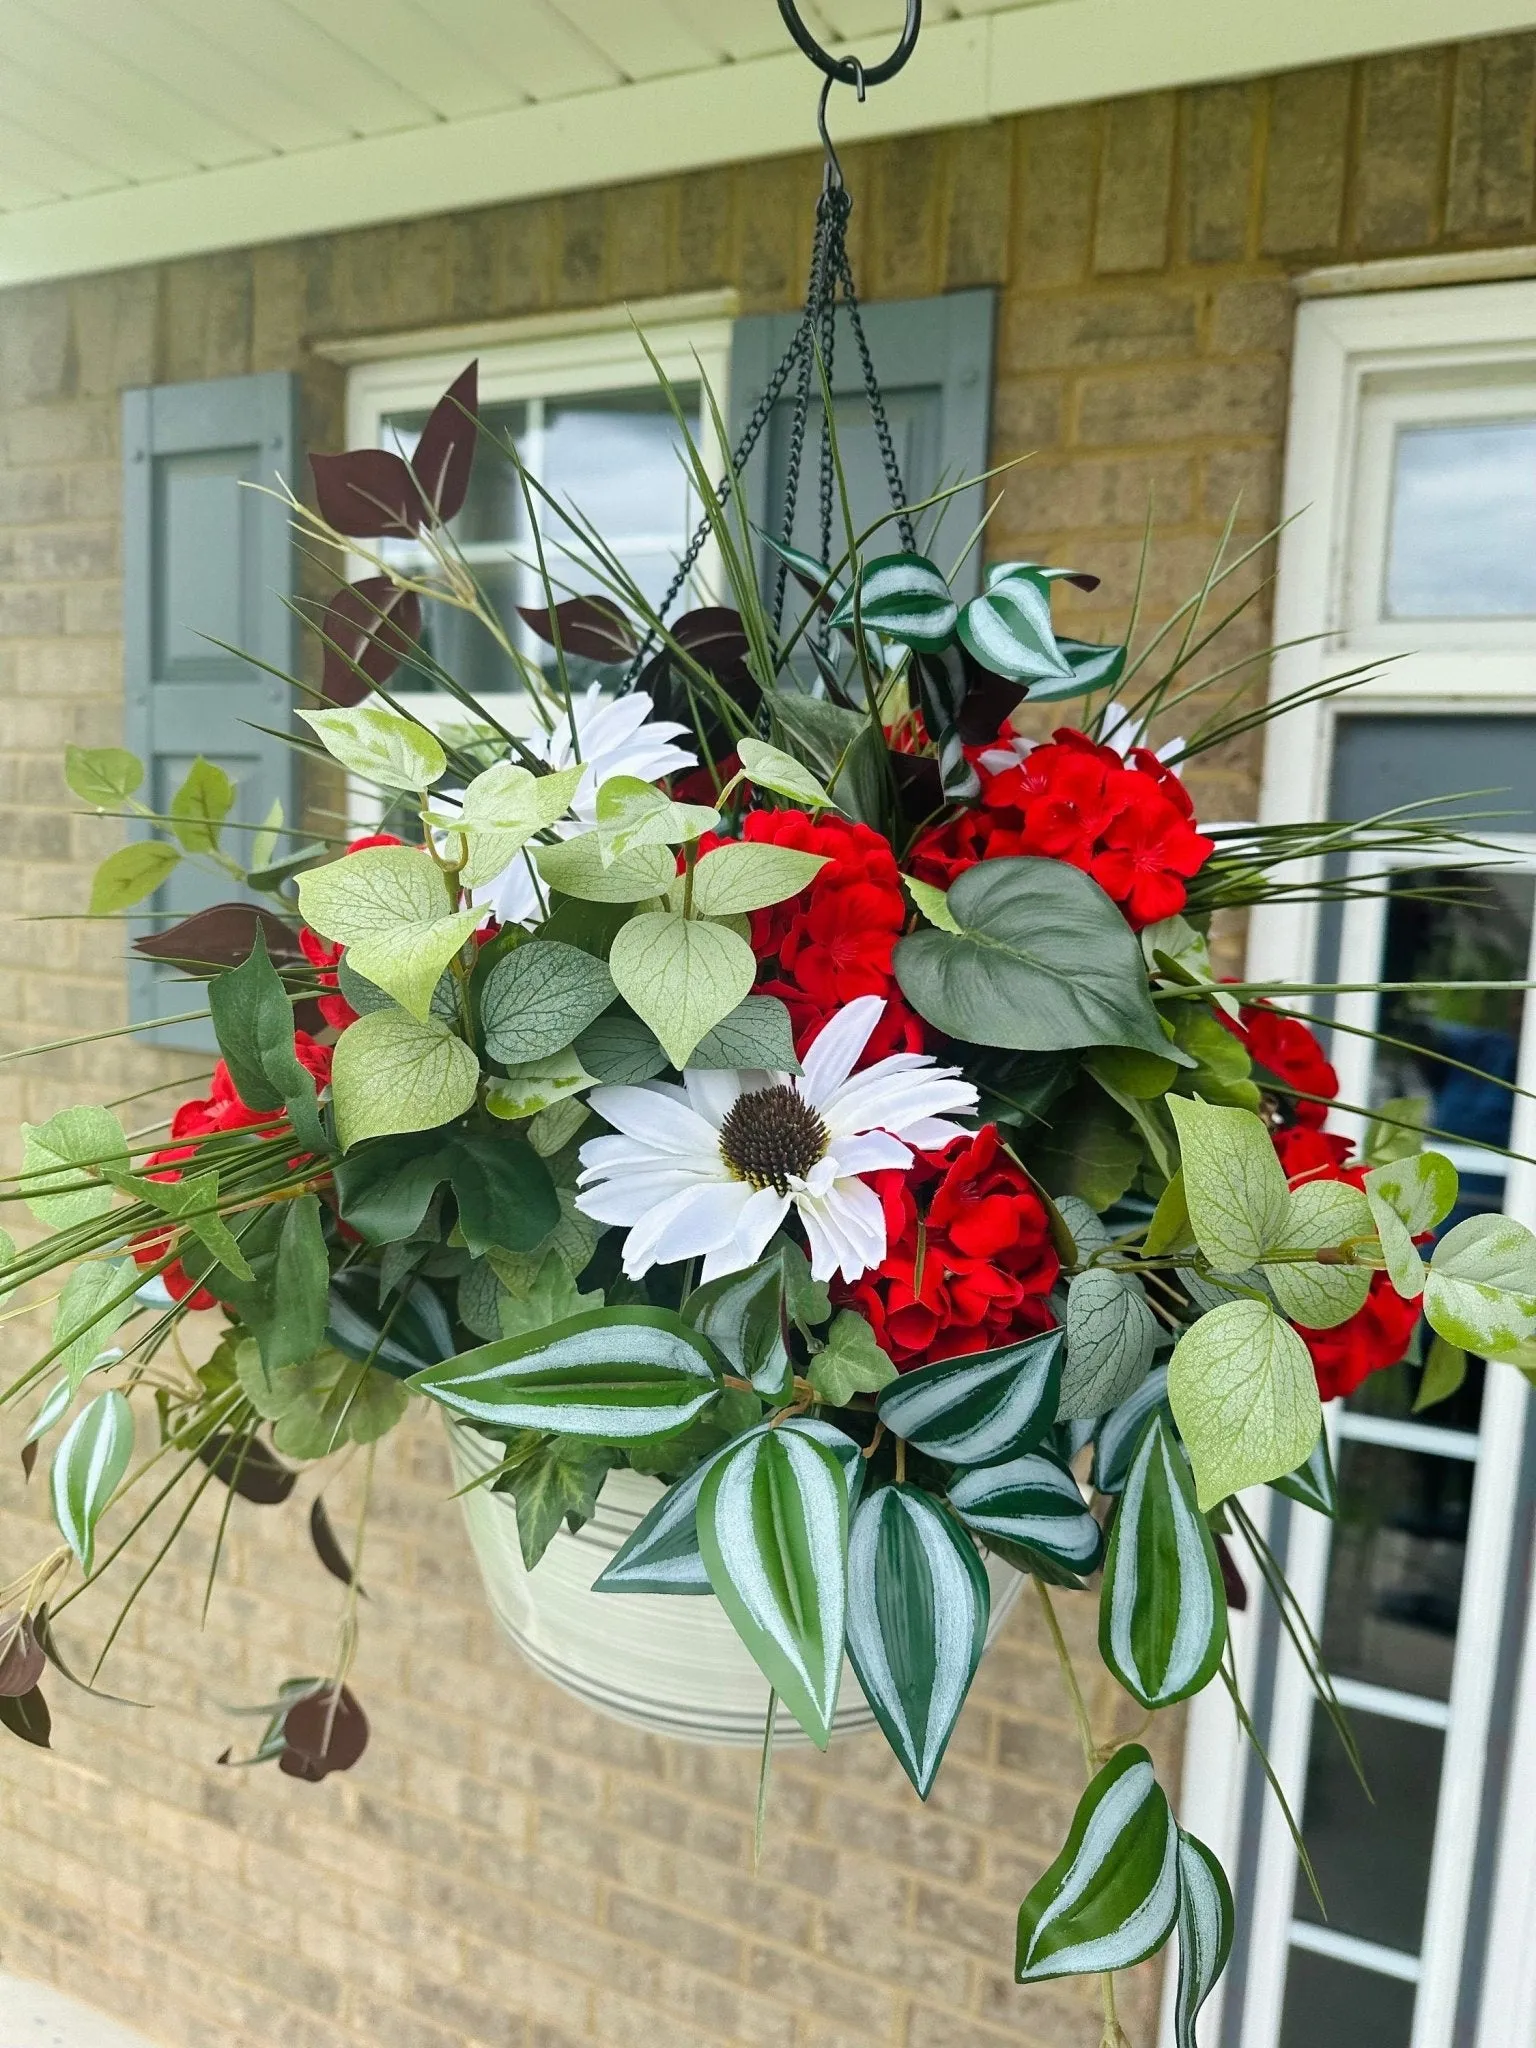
(1371, 1860)
(1462, 541)
(615, 458)
(1449, 925)
(1335, 2005)
(1392, 1393)
(1394, 1573)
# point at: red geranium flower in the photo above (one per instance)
(1126, 824)
(1288, 1050)
(833, 941)
(969, 1260)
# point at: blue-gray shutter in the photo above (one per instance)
(206, 558)
(933, 358)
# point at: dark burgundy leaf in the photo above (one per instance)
(369, 493)
(323, 1732)
(369, 626)
(249, 1467)
(22, 1662)
(327, 1548)
(989, 701)
(28, 1717)
(713, 635)
(28, 1459)
(919, 786)
(589, 626)
(445, 453)
(1231, 1577)
(222, 936)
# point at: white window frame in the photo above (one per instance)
(1349, 354)
(551, 357)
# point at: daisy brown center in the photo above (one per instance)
(771, 1134)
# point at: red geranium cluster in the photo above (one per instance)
(1128, 823)
(221, 1109)
(969, 1260)
(834, 940)
(1377, 1335)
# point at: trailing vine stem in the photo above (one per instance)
(1114, 2035)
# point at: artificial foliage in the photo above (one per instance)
(764, 1068)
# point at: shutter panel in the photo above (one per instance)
(934, 361)
(206, 558)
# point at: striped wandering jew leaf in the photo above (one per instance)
(1008, 630)
(918, 1606)
(1117, 1434)
(980, 1408)
(906, 598)
(1112, 1896)
(1206, 1926)
(773, 1528)
(743, 1315)
(1094, 667)
(1163, 1606)
(621, 1375)
(87, 1468)
(1033, 1505)
(663, 1554)
(1313, 1483)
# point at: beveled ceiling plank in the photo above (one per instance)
(25, 154)
(16, 194)
(131, 96)
(527, 44)
(141, 33)
(32, 103)
(294, 54)
(642, 41)
(743, 28)
(418, 53)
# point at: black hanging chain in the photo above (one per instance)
(815, 337)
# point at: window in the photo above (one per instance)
(589, 420)
(1411, 481)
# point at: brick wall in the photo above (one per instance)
(506, 1868)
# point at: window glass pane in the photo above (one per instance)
(1449, 925)
(1372, 1861)
(1394, 1574)
(1462, 542)
(619, 459)
(1392, 1394)
(1335, 2005)
(462, 646)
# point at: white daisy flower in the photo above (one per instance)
(614, 736)
(711, 1169)
(1117, 728)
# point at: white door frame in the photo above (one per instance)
(1345, 349)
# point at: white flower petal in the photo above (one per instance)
(759, 1219)
(933, 1133)
(701, 1219)
(868, 1152)
(845, 1229)
(658, 1116)
(835, 1049)
(892, 1102)
(713, 1091)
(629, 1200)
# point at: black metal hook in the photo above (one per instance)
(848, 70)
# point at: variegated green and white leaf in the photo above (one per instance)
(773, 1529)
(87, 1468)
(97, 1297)
(663, 1554)
(1312, 1483)
(1034, 1505)
(1115, 1442)
(1112, 1896)
(620, 1375)
(1206, 1923)
(904, 597)
(1111, 1338)
(1008, 630)
(918, 1605)
(1162, 1608)
(741, 1315)
(981, 1408)
(1408, 1197)
(1481, 1290)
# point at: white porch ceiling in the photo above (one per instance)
(133, 130)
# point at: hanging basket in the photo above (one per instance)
(667, 1662)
